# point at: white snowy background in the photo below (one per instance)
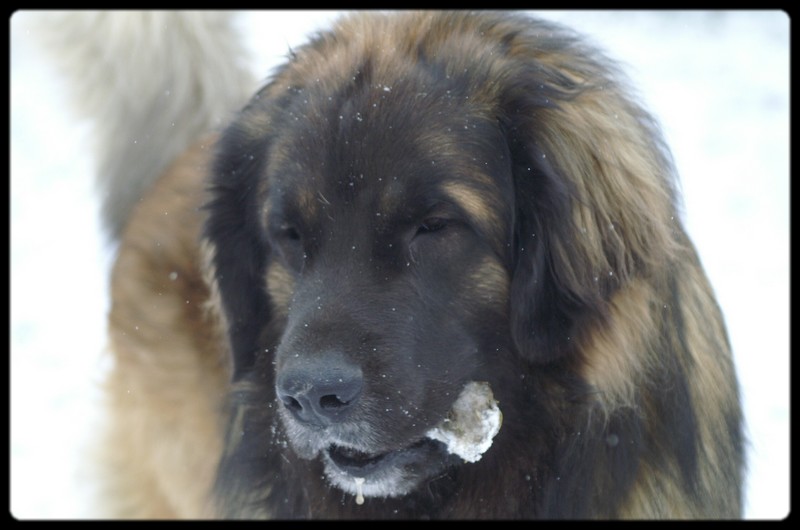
(718, 82)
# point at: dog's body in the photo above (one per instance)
(416, 201)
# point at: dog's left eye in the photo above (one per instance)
(433, 233)
(432, 224)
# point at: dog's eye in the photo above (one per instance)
(431, 233)
(289, 242)
(289, 233)
(431, 224)
(285, 234)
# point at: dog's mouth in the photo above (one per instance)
(354, 461)
(462, 436)
(387, 474)
(360, 464)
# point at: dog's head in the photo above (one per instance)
(415, 202)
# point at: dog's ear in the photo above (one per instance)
(594, 200)
(234, 232)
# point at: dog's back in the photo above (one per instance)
(151, 83)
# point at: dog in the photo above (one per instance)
(413, 203)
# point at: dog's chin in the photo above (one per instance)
(393, 473)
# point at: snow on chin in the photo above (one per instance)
(472, 423)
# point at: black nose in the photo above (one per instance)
(320, 392)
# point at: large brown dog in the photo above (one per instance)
(413, 202)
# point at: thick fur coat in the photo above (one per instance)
(413, 201)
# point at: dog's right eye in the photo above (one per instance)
(281, 233)
(289, 243)
(289, 233)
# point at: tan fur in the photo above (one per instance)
(491, 281)
(616, 357)
(709, 379)
(170, 362)
(628, 204)
(280, 285)
(479, 207)
(655, 498)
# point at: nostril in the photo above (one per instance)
(333, 402)
(291, 403)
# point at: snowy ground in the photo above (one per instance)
(718, 81)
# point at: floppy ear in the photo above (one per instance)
(235, 233)
(594, 201)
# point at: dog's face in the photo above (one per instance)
(365, 228)
(388, 214)
(394, 216)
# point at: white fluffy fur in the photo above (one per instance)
(152, 82)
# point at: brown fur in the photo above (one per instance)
(171, 362)
(636, 311)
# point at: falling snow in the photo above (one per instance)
(718, 82)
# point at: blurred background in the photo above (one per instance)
(718, 81)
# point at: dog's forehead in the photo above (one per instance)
(373, 153)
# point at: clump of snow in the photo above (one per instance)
(472, 423)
